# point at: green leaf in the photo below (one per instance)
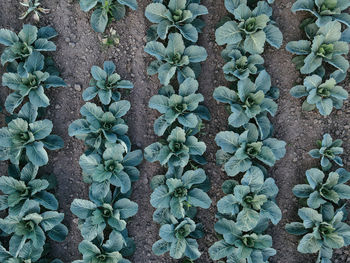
(177, 248)
(196, 54)
(309, 244)
(165, 73)
(36, 154)
(247, 219)
(51, 219)
(197, 197)
(273, 36)
(160, 247)
(228, 33)
(99, 20)
(254, 43)
(296, 228)
(120, 108)
(41, 129)
(28, 34)
(82, 208)
(156, 12)
(220, 250)
(156, 49)
(130, 3)
(35, 62)
(301, 47)
(160, 198)
(7, 37)
(87, 5)
(126, 208)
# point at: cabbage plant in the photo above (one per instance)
(105, 11)
(105, 83)
(178, 239)
(250, 29)
(321, 95)
(30, 81)
(27, 254)
(251, 101)
(238, 246)
(320, 232)
(100, 252)
(16, 191)
(31, 225)
(177, 194)
(29, 39)
(33, 6)
(25, 138)
(96, 216)
(240, 152)
(177, 150)
(175, 58)
(328, 150)
(99, 126)
(177, 14)
(183, 108)
(324, 11)
(321, 189)
(252, 201)
(115, 167)
(325, 47)
(241, 65)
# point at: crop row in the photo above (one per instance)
(321, 59)
(247, 208)
(177, 194)
(27, 196)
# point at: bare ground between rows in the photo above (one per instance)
(79, 48)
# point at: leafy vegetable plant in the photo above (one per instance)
(175, 58)
(181, 15)
(33, 6)
(116, 166)
(325, 47)
(99, 126)
(98, 251)
(324, 11)
(96, 216)
(25, 187)
(28, 40)
(242, 66)
(179, 239)
(24, 139)
(249, 101)
(177, 150)
(105, 83)
(321, 189)
(321, 95)
(322, 232)
(30, 81)
(177, 194)
(240, 152)
(250, 29)
(237, 246)
(251, 201)
(105, 11)
(328, 150)
(183, 108)
(32, 225)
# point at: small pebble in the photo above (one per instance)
(77, 87)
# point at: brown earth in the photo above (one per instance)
(79, 48)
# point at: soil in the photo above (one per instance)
(78, 48)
